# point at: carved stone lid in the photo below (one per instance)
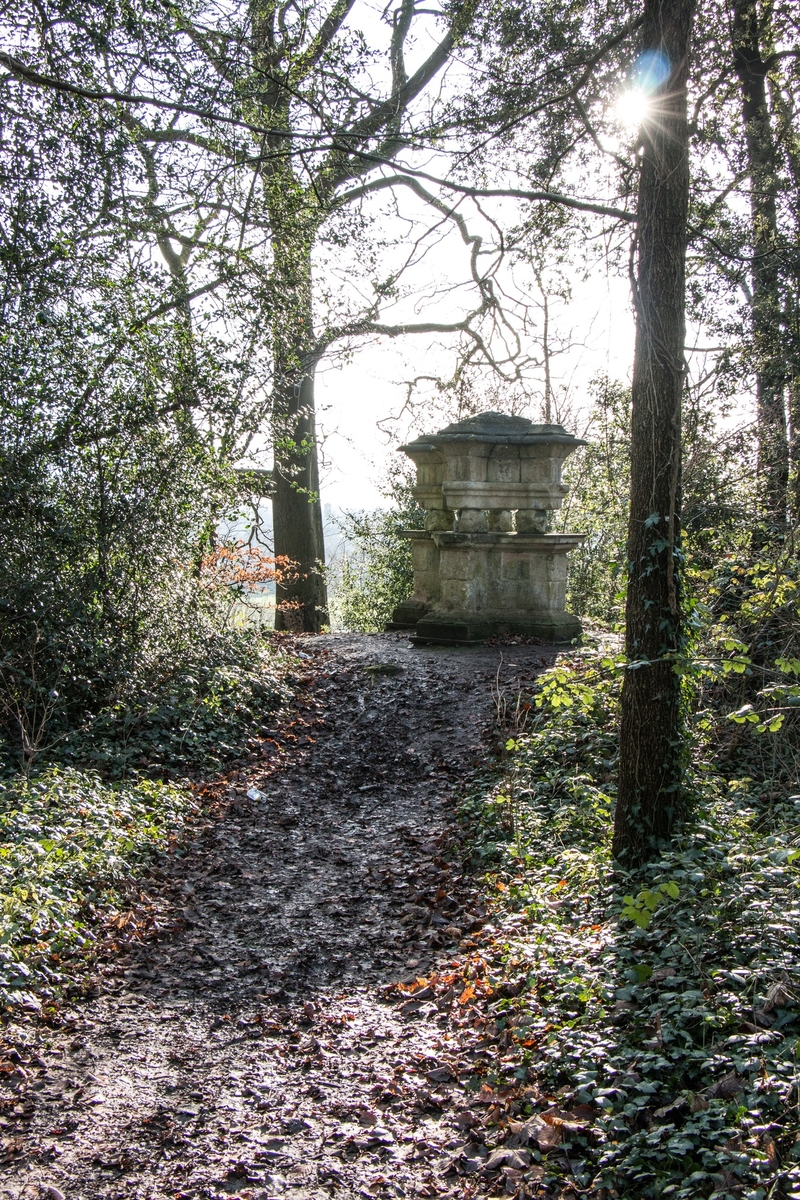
(499, 428)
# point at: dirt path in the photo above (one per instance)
(255, 1051)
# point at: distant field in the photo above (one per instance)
(257, 609)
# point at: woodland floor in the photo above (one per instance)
(259, 1049)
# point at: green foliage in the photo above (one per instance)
(70, 847)
(716, 510)
(107, 630)
(744, 669)
(374, 573)
(191, 711)
(665, 1001)
(597, 505)
(640, 908)
(576, 683)
(119, 418)
(98, 594)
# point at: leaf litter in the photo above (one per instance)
(307, 1026)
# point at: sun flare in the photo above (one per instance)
(633, 106)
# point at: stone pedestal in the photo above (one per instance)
(484, 564)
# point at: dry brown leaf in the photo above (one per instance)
(466, 1119)
(548, 1137)
(727, 1087)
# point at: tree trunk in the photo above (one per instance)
(651, 734)
(794, 445)
(301, 594)
(773, 451)
(787, 143)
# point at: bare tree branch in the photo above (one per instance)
(328, 30)
(25, 74)
(603, 210)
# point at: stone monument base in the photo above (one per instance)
(474, 586)
(406, 616)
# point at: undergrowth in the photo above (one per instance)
(78, 831)
(372, 573)
(193, 711)
(194, 718)
(659, 1014)
(70, 847)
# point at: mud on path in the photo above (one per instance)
(257, 1050)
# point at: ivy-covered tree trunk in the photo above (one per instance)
(770, 369)
(301, 594)
(651, 734)
(794, 448)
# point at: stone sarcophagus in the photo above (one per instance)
(485, 564)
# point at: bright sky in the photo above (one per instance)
(594, 329)
(352, 399)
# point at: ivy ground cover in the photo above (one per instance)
(71, 846)
(652, 1040)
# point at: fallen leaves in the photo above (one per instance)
(11, 1148)
(248, 1050)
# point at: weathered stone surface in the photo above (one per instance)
(501, 520)
(471, 520)
(484, 565)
